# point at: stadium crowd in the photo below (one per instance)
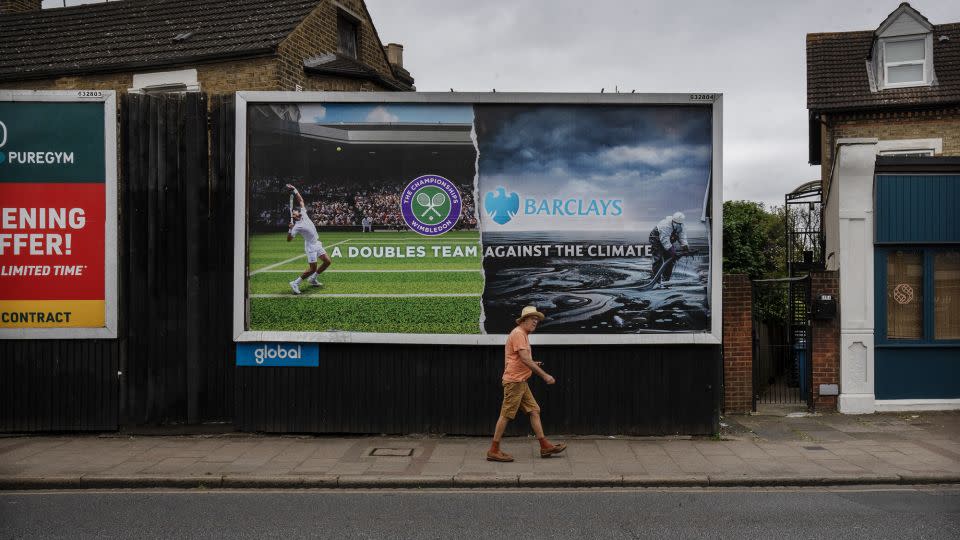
(338, 205)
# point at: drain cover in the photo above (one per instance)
(393, 452)
(814, 448)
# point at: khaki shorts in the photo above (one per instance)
(517, 395)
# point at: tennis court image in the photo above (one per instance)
(369, 287)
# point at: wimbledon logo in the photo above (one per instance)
(430, 205)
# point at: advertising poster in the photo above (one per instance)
(435, 219)
(53, 217)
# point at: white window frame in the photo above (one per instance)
(184, 80)
(918, 152)
(925, 62)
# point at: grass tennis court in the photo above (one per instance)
(369, 288)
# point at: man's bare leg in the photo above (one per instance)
(546, 447)
(536, 425)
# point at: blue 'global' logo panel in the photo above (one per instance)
(278, 354)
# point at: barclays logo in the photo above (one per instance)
(503, 207)
(278, 354)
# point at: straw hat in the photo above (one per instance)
(530, 311)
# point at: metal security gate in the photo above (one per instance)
(782, 344)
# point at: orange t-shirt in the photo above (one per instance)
(514, 370)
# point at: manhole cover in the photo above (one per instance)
(393, 452)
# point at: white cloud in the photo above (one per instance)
(380, 115)
(654, 156)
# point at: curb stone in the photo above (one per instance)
(530, 480)
(387, 482)
(638, 480)
(146, 481)
(489, 481)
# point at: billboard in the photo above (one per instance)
(57, 215)
(438, 217)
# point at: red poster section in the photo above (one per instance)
(51, 254)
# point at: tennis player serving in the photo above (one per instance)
(301, 224)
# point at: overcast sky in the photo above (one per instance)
(753, 51)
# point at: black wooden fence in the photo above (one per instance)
(177, 229)
(174, 360)
(636, 390)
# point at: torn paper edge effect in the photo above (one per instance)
(476, 213)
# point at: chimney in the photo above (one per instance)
(19, 6)
(394, 54)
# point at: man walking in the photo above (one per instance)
(518, 366)
(665, 238)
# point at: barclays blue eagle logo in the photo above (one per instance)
(500, 206)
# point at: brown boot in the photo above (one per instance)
(552, 450)
(498, 455)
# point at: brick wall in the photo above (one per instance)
(826, 341)
(19, 6)
(737, 344)
(892, 125)
(316, 35)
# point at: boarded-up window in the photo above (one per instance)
(946, 295)
(905, 295)
(346, 36)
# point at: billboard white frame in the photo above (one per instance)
(241, 306)
(110, 284)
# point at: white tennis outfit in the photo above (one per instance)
(311, 242)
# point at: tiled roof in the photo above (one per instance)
(837, 73)
(140, 33)
(344, 66)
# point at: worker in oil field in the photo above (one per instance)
(666, 239)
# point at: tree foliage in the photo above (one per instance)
(753, 240)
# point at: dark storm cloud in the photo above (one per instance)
(592, 140)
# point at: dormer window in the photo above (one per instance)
(904, 61)
(902, 54)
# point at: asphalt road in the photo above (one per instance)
(927, 512)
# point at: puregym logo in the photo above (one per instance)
(32, 157)
(431, 205)
(3, 142)
(278, 354)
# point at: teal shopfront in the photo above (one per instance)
(917, 278)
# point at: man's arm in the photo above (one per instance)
(290, 234)
(682, 237)
(527, 359)
(297, 195)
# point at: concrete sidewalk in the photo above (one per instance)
(908, 448)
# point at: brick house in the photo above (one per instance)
(884, 109)
(214, 46)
